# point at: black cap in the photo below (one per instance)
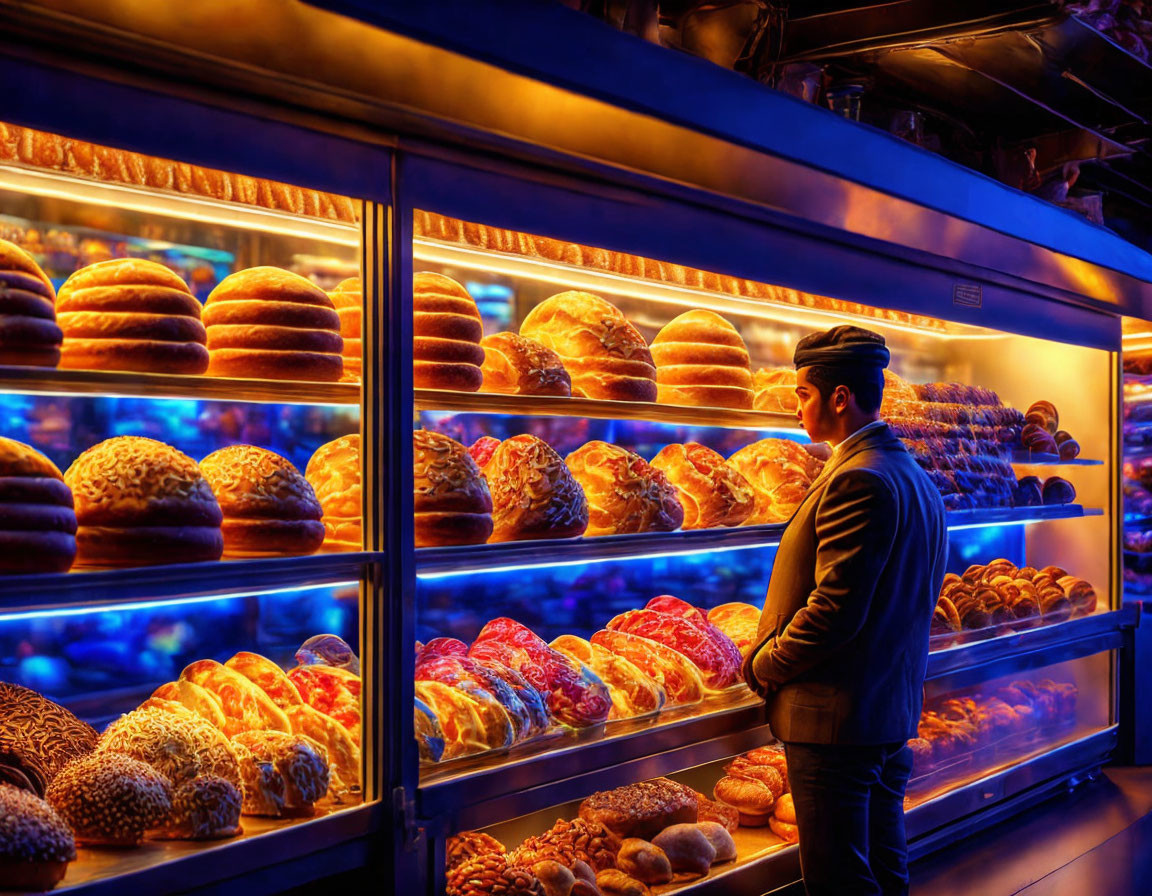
(841, 347)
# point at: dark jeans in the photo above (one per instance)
(850, 812)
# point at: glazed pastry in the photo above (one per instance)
(426, 729)
(1044, 415)
(1068, 447)
(195, 698)
(533, 493)
(604, 354)
(1035, 437)
(29, 333)
(246, 707)
(644, 861)
(702, 361)
(775, 390)
(334, 474)
(768, 775)
(37, 519)
(678, 675)
(348, 300)
(722, 814)
(688, 848)
(1058, 490)
(462, 671)
(300, 764)
(204, 808)
(555, 879)
(711, 492)
(739, 622)
(516, 365)
(625, 493)
(718, 661)
(451, 499)
(471, 719)
(109, 799)
(38, 738)
(36, 844)
(753, 799)
(641, 810)
(482, 450)
(632, 692)
(1080, 594)
(331, 690)
(780, 472)
(339, 747)
(267, 676)
(446, 330)
(491, 874)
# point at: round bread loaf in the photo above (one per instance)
(29, 334)
(774, 390)
(451, 499)
(37, 521)
(603, 353)
(109, 799)
(130, 314)
(780, 472)
(36, 844)
(140, 502)
(269, 509)
(204, 808)
(702, 361)
(334, 474)
(38, 738)
(515, 365)
(446, 332)
(268, 323)
(712, 492)
(533, 494)
(625, 493)
(753, 799)
(348, 299)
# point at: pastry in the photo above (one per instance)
(688, 848)
(644, 861)
(109, 799)
(523, 702)
(203, 808)
(613, 882)
(768, 775)
(1058, 490)
(604, 354)
(482, 450)
(774, 391)
(739, 622)
(141, 502)
(1080, 594)
(720, 838)
(467, 845)
(773, 755)
(728, 817)
(533, 493)
(36, 844)
(446, 331)
(297, 760)
(471, 719)
(718, 660)
(753, 799)
(180, 745)
(569, 842)
(711, 492)
(516, 365)
(702, 361)
(130, 314)
(625, 493)
(29, 334)
(338, 745)
(269, 509)
(37, 520)
(490, 875)
(555, 879)
(427, 731)
(1044, 415)
(1029, 492)
(673, 671)
(643, 809)
(328, 650)
(267, 676)
(348, 300)
(246, 707)
(1036, 438)
(331, 690)
(785, 830)
(268, 323)
(451, 500)
(633, 693)
(193, 697)
(780, 472)
(1068, 447)
(334, 474)
(38, 738)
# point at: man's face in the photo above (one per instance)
(815, 414)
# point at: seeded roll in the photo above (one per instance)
(203, 808)
(36, 844)
(109, 799)
(451, 499)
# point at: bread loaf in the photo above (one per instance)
(603, 353)
(37, 520)
(780, 473)
(775, 390)
(625, 493)
(38, 738)
(641, 810)
(533, 494)
(140, 502)
(130, 314)
(298, 767)
(631, 690)
(446, 330)
(29, 334)
(711, 491)
(516, 365)
(702, 361)
(268, 323)
(451, 499)
(334, 474)
(36, 844)
(246, 707)
(348, 300)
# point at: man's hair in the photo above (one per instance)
(864, 381)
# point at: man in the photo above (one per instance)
(843, 640)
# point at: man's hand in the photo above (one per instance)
(760, 652)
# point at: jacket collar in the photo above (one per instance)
(869, 437)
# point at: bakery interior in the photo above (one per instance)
(244, 649)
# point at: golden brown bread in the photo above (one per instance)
(446, 332)
(753, 799)
(37, 520)
(603, 353)
(775, 390)
(268, 323)
(450, 498)
(29, 334)
(688, 848)
(516, 365)
(712, 492)
(644, 861)
(334, 474)
(141, 502)
(780, 473)
(702, 361)
(348, 299)
(130, 314)
(642, 809)
(269, 509)
(625, 493)
(533, 494)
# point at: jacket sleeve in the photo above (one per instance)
(855, 529)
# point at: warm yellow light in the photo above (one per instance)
(192, 208)
(572, 277)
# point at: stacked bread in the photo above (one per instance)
(130, 314)
(516, 365)
(1042, 433)
(451, 499)
(780, 473)
(604, 354)
(753, 784)
(37, 519)
(348, 301)
(29, 334)
(702, 361)
(334, 474)
(446, 330)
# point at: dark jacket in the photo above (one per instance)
(844, 633)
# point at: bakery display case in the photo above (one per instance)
(184, 565)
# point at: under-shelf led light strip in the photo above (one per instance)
(132, 606)
(567, 275)
(194, 208)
